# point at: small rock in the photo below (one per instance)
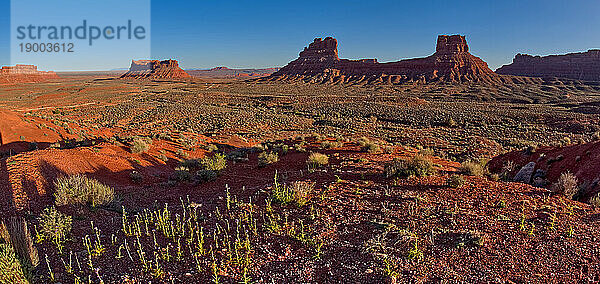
(524, 175)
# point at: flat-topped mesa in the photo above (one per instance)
(579, 66)
(320, 55)
(452, 62)
(24, 74)
(451, 44)
(155, 69)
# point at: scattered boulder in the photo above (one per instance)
(524, 175)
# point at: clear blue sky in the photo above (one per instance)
(242, 33)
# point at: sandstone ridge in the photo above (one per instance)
(452, 62)
(579, 66)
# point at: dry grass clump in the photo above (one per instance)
(267, 158)
(418, 166)
(297, 192)
(595, 200)
(141, 145)
(316, 160)
(473, 168)
(566, 185)
(368, 145)
(215, 163)
(455, 181)
(79, 189)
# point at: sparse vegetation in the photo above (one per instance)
(141, 145)
(54, 226)
(456, 181)
(566, 185)
(473, 168)
(317, 160)
(79, 189)
(418, 166)
(267, 158)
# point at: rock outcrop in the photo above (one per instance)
(579, 66)
(155, 69)
(452, 62)
(24, 74)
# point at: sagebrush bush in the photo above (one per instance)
(316, 160)
(215, 163)
(566, 185)
(182, 173)
(55, 225)
(455, 181)
(267, 158)
(79, 189)
(141, 145)
(417, 166)
(473, 168)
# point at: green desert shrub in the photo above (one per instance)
(417, 166)
(316, 160)
(216, 163)
(267, 158)
(455, 181)
(473, 168)
(79, 189)
(566, 185)
(140, 145)
(11, 270)
(54, 225)
(367, 145)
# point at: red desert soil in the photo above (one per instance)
(583, 160)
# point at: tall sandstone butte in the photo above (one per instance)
(452, 62)
(155, 69)
(24, 74)
(579, 66)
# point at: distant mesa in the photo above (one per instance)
(579, 66)
(225, 72)
(452, 62)
(155, 69)
(24, 74)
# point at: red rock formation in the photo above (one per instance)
(155, 69)
(578, 66)
(24, 74)
(451, 62)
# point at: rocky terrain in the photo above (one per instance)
(579, 66)
(224, 72)
(451, 63)
(155, 70)
(24, 74)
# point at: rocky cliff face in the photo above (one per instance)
(24, 74)
(579, 66)
(451, 62)
(155, 69)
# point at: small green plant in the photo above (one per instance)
(595, 200)
(79, 189)
(141, 145)
(55, 226)
(216, 163)
(267, 158)
(10, 267)
(455, 181)
(417, 166)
